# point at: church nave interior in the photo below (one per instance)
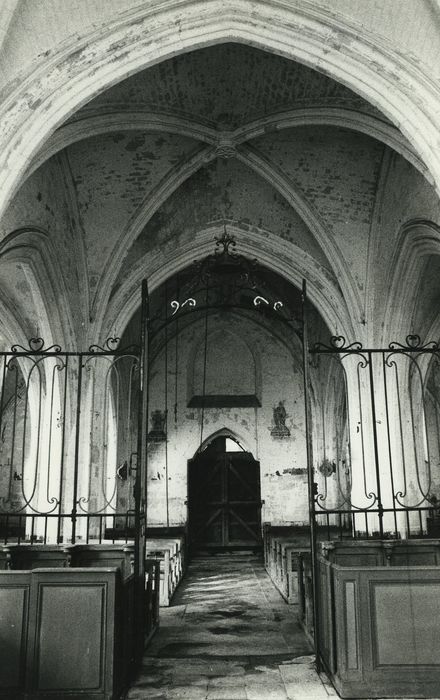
(219, 367)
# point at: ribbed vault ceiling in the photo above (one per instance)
(226, 86)
(225, 133)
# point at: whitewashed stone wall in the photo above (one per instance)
(282, 461)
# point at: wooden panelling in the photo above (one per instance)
(73, 625)
(14, 602)
(170, 552)
(58, 628)
(382, 552)
(152, 586)
(27, 556)
(351, 626)
(405, 617)
(80, 609)
(387, 630)
(424, 557)
(326, 616)
(351, 558)
(108, 555)
(72, 632)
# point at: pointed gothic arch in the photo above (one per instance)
(55, 87)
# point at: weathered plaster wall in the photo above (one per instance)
(283, 461)
(402, 289)
(409, 25)
(225, 189)
(44, 204)
(37, 26)
(336, 171)
(113, 175)
(227, 86)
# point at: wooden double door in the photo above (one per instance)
(224, 499)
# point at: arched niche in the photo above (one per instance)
(223, 372)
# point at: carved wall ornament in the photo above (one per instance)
(226, 147)
(279, 429)
(158, 422)
(326, 467)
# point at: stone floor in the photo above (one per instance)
(229, 636)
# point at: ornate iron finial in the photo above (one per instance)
(224, 242)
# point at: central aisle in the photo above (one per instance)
(228, 636)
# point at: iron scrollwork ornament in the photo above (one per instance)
(36, 345)
(110, 345)
(338, 344)
(414, 343)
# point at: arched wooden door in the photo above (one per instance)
(224, 498)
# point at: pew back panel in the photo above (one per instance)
(36, 556)
(84, 603)
(414, 552)
(378, 629)
(39, 660)
(14, 614)
(108, 555)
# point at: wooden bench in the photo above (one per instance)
(282, 547)
(168, 547)
(152, 590)
(167, 552)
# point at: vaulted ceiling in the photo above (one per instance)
(226, 134)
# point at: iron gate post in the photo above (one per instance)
(310, 478)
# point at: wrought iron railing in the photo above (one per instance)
(375, 440)
(69, 426)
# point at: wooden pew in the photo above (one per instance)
(168, 547)
(73, 556)
(35, 556)
(283, 546)
(376, 552)
(378, 617)
(152, 590)
(65, 633)
(120, 556)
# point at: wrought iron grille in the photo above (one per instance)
(69, 424)
(375, 438)
(225, 281)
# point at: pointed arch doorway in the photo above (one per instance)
(224, 497)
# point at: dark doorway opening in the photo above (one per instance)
(224, 498)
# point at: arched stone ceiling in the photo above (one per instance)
(223, 190)
(226, 86)
(112, 175)
(334, 168)
(425, 312)
(145, 164)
